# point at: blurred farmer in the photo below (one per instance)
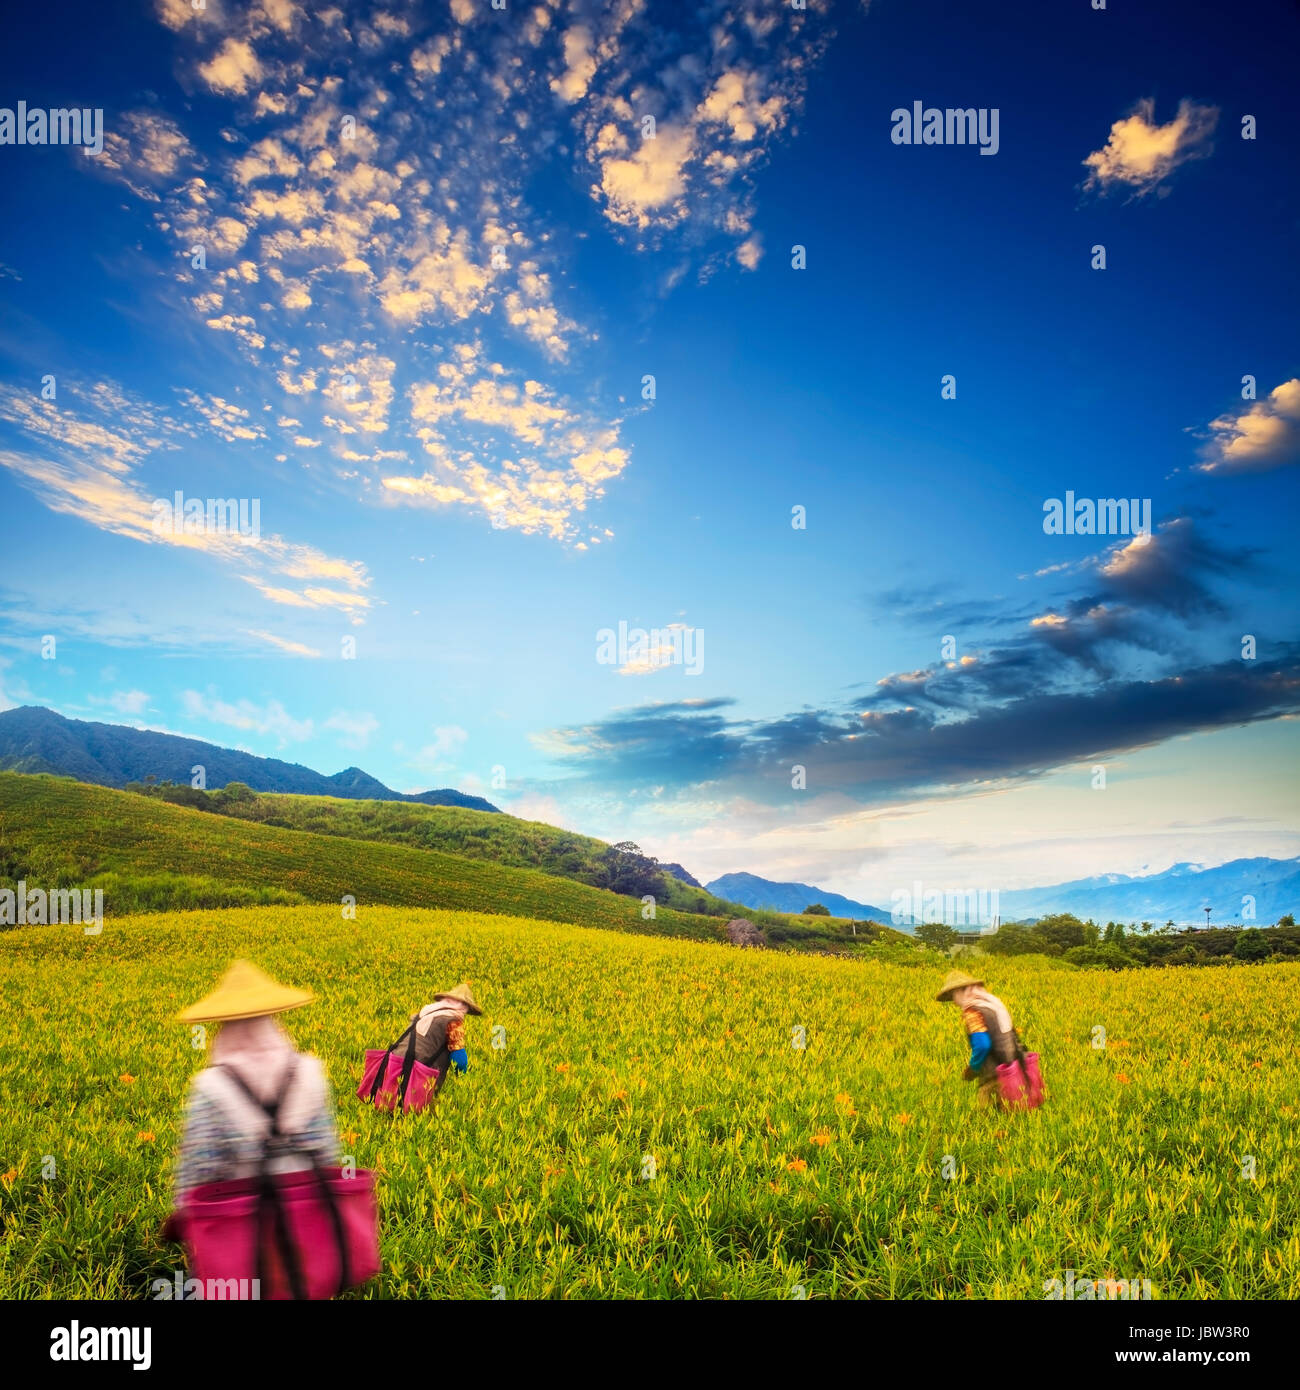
(252, 1065)
(987, 1021)
(440, 1031)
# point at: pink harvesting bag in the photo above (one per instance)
(389, 1080)
(1020, 1083)
(308, 1234)
(1013, 1086)
(1034, 1076)
(305, 1234)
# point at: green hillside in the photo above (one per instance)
(148, 855)
(469, 834)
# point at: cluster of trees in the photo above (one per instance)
(1120, 947)
(223, 801)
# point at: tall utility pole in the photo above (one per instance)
(1207, 919)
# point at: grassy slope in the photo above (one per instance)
(483, 835)
(150, 855)
(775, 1167)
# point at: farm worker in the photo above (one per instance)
(993, 1039)
(440, 1031)
(224, 1132)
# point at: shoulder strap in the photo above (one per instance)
(270, 1108)
(408, 1062)
(271, 1203)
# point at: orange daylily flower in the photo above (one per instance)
(146, 1136)
(562, 1066)
(822, 1138)
(126, 1078)
(1122, 1079)
(9, 1176)
(348, 1136)
(797, 1165)
(620, 1095)
(903, 1118)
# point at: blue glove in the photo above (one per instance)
(460, 1059)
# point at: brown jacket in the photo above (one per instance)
(444, 1035)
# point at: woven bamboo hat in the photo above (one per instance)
(244, 991)
(464, 994)
(957, 979)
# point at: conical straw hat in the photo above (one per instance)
(956, 980)
(244, 991)
(464, 994)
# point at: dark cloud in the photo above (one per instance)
(877, 754)
(1092, 676)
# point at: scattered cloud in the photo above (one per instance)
(1265, 435)
(1140, 155)
(271, 718)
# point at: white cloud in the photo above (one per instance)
(1265, 435)
(233, 69)
(271, 718)
(355, 729)
(1140, 154)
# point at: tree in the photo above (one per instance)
(236, 791)
(1251, 944)
(1012, 939)
(1059, 932)
(817, 910)
(938, 935)
(1287, 920)
(1103, 957)
(627, 870)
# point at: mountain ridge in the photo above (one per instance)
(34, 738)
(752, 891)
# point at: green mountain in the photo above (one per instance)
(149, 855)
(791, 897)
(34, 739)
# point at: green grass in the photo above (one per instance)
(775, 1169)
(148, 855)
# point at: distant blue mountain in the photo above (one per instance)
(751, 891)
(1181, 893)
(1269, 888)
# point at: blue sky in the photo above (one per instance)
(420, 345)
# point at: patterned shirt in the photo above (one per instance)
(220, 1142)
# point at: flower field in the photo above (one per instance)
(646, 1126)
